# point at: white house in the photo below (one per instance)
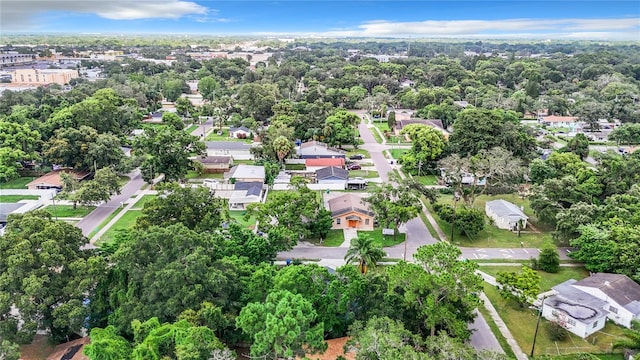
(577, 311)
(241, 132)
(621, 294)
(505, 214)
(554, 121)
(246, 173)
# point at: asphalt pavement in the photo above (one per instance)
(102, 212)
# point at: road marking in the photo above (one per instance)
(507, 256)
(483, 256)
(475, 255)
(481, 250)
(504, 250)
(525, 250)
(511, 250)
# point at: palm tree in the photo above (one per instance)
(365, 252)
(282, 146)
(632, 341)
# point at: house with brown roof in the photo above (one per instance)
(554, 121)
(52, 180)
(350, 211)
(71, 350)
(215, 164)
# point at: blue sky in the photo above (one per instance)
(597, 20)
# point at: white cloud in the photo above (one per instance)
(597, 29)
(19, 15)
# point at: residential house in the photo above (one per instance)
(215, 164)
(241, 132)
(236, 149)
(245, 193)
(620, 292)
(350, 211)
(245, 173)
(315, 164)
(554, 121)
(318, 150)
(506, 215)
(332, 175)
(72, 350)
(52, 180)
(20, 207)
(577, 311)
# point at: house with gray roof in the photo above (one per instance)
(577, 311)
(245, 193)
(620, 292)
(332, 175)
(506, 215)
(318, 150)
(241, 132)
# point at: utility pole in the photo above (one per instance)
(535, 335)
(456, 197)
(55, 209)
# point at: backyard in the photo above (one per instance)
(238, 216)
(192, 174)
(491, 236)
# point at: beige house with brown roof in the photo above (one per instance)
(350, 211)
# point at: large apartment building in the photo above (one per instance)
(43, 76)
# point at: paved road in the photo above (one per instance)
(97, 216)
(203, 128)
(482, 338)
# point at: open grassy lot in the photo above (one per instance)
(238, 216)
(195, 175)
(384, 240)
(548, 280)
(16, 198)
(491, 236)
(126, 222)
(68, 211)
(363, 174)
(522, 322)
(18, 183)
(213, 136)
(334, 238)
(397, 153)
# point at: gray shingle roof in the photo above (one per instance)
(503, 208)
(8, 208)
(332, 171)
(252, 188)
(620, 288)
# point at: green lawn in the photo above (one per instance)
(19, 183)
(547, 280)
(105, 222)
(397, 153)
(491, 236)
(213, 136)
(68, 211)
(191, 128)
(427, 179)
(125, 222)
(522, 322)
(295, 166)
(363, 174)
(384, 240)
(141, 203)
(238, 216)
(376, 136)
(383, 126)
(16, 198)
(195, 175)
(334, 238)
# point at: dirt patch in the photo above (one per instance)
(335, 348)
(39, 349)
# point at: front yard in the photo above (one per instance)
(548, 280)
(224, 136)
(67, 211)
(124, 223)
(18, 183)
(521, 321)
(334, 238)
(367, 174)
(384, 240)
(491, 236)
(16, 198)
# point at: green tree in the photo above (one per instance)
(427, 144)
(165, 150)
(282, 147)
(101, 188)
(393, 205)
(19, 143)
(549, 259)
(184, 107)
(281, 327)
(438, 292)
(523, 286)
(578, 145)
(391, 119)
(384, 338)
(105, 151)
(45, 275)
(365, 252)
(207, 87)
(469, 221)
(106, 344)
(172, 89)
(256, 100)
(9, 350)
(172, 120)
(632, 338)
(340, 128)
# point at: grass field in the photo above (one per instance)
(238, 216)
(190, 129)
(376, 136)
(126, 221)
(105, 222)
(427, 179)
(522, 322)
(334, 238)
(397, 153)
(368, 174)
(213, 136)
(362, 152)
(19, 183)
(68, 211)
(491, 236)
(383, 126)
(140, 204)
(195, 175)
(548, 280)
(384, 240)
(16, 198)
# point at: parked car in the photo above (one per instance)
(354, 167)
(356, 157)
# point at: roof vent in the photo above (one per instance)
(606, 283)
